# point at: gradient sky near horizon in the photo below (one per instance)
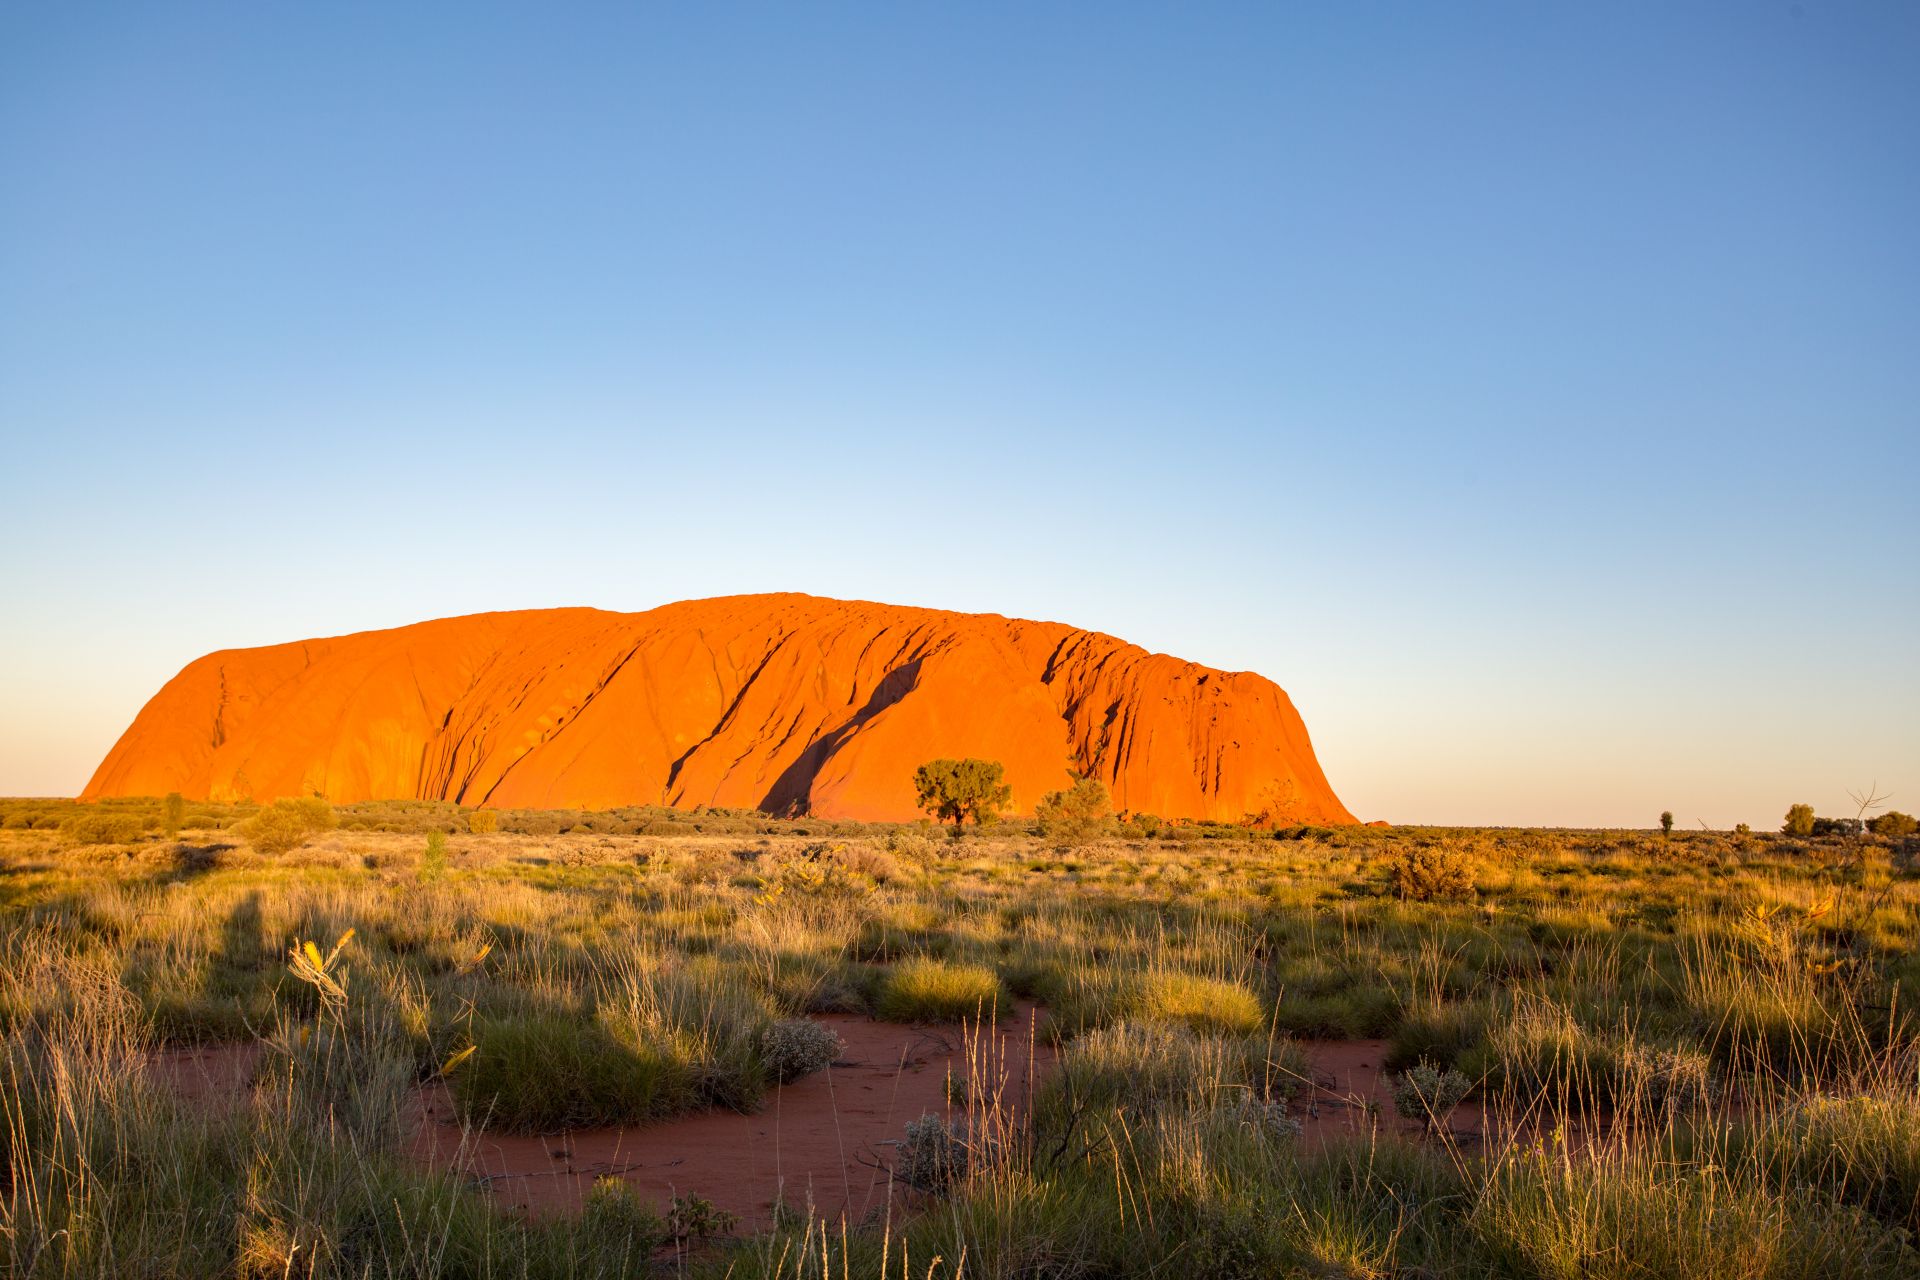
(1533, 391)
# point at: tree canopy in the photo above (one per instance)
(957, 790)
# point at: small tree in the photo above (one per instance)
(1666, 822)
(1076, 815)
(956, 790)
(1799, 820)
(173, 813)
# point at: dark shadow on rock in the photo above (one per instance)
(788, 795)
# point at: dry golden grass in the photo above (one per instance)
(1717, 1028)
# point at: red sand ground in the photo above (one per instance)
(825, 1139)
(1350, 1094)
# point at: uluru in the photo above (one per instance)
(791, 704)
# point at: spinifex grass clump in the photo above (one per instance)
(1151, 1067)
(925, 990)
(1204, 1004)
(539, 1072)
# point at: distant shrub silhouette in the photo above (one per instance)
(1666, 822)
(173, 814)
(956, 790)
(1799, 820)
(1076, 815)
(1894, 824)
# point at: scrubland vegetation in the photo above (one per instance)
(1688, 1054)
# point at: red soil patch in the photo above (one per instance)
(1350, 1094)
(826, 1139)
(214, 1074)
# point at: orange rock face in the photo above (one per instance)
(787, 703)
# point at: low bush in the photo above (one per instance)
(1432, 873)
(287, 824)
(1864, 1149)
(1159, 1066)
(1428, 1093)
(1894, 825)
(932, 1156)
(796, 1047)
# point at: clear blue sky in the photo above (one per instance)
(1532, 390)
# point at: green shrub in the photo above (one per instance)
(1799, 820)
(1158, 1066)
(483, 822)
(1633, 1217)
(173, 814)
(1441, 1033)
(433, 863)
(924, 990)
(1862, 1149)
(1075, 816)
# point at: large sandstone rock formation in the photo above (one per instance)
(787, 703)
